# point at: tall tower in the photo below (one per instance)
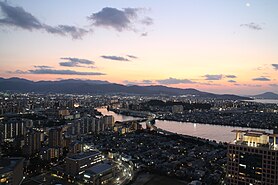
(55, 137)
(253, 158)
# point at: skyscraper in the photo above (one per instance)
(253, 158)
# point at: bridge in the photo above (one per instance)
(150, 120)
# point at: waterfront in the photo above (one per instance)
(118, 117)
(211, 132)
(267, 101)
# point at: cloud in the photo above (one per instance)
(219, 77)
(118, 58)
(209, 84)
(43, 67)
(174, 81)
(261, 79)
(143, 82)
(74, 32)
(17, 72)
(262, 67)
(75, 62)
(114, 18)
(147, 21)
(273, 85)
(144, 34)
(132, 56)
(213, 77)
(231, 76)
(19, 18)
(232, 81)
(119, 20)
(248, 85)
(147, 81)
(252, 26)
(275, 66)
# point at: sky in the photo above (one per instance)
(217, 46)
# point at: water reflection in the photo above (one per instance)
(266, 101)
(195, 127)
(118, 117)
(212, 132)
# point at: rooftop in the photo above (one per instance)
(252, 132)
(84, 155)
(256, 138)
(99, 168)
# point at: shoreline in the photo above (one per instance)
(184, 136)
(165, 119)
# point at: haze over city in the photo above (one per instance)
(215, 46)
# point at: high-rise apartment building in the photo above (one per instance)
(253, 158)
(13, 128)
(108, 121)
(32, 142)
(55, 137)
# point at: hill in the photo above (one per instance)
(101, 87)
(267, 95)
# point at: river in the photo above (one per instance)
(265, 101)
(211, 132)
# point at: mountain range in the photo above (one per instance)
(266, 95)
(102, 87)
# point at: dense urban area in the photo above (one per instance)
(64, 139)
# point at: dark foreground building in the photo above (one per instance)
(253, 158)
(11, 170)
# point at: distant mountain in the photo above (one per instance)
(69, 81)
(101, 87)
(266, 95)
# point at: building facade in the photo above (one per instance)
(99, 174)
(77, 164)
(55, 137)
(253, 158)
(32, 142)
(11, 170)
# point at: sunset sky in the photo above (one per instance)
(218, 46)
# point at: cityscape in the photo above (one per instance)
(138, 92)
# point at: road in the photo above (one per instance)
(126, 173)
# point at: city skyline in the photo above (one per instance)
(215, 46)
